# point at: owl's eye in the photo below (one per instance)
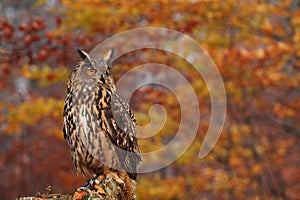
(91, 71)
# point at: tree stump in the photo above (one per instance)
(104, 190)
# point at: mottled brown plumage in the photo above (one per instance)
(99, 126)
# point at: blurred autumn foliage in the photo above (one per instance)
(255, 45)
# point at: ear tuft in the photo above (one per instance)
(109, 55)
(83, 55)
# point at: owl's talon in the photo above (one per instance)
(107, 179)
(82, 188)
(119, 181)
(88, 182)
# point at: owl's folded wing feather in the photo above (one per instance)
(122, 133)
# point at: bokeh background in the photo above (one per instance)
(255, 44)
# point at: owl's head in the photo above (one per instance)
(96, 70)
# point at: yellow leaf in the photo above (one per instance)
(260, 53)
(256, 169)
(275, 76)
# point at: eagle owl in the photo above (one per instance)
(99, 125)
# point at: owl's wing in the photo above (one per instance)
(122, 132)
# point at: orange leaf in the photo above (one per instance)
(78, 195)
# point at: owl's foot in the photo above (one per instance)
(89, 183)
(93, 185)
(109, 175)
